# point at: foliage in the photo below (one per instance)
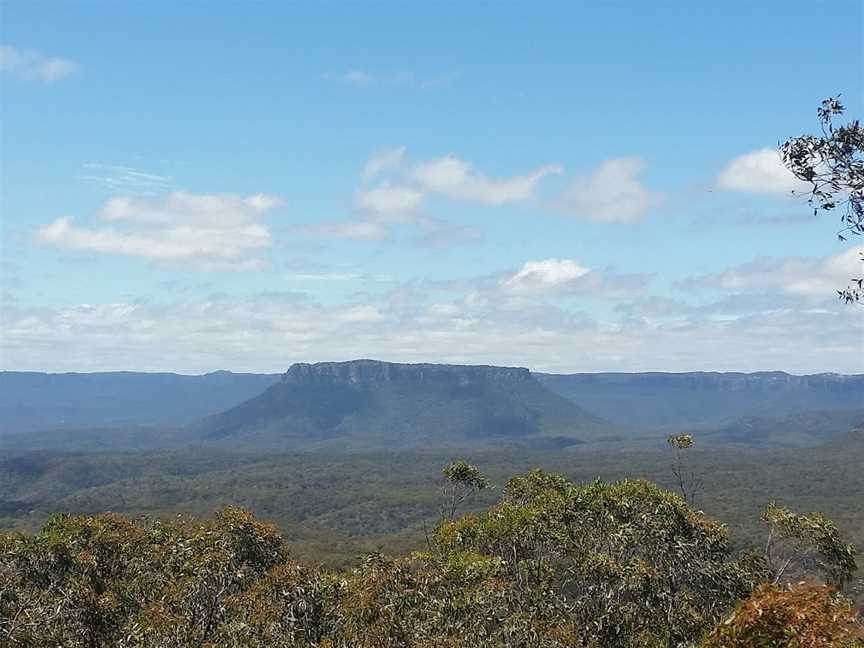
(833, 165)
(333, 507)
(554, 564)
(680, 441)
(804, 615)
(90, 581)
(632, 563)
(463, 482)
(807, 543)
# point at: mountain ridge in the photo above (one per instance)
(36, 401)
(663, 399)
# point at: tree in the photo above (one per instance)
(833, 165)
(554, 564)
(463, 482)
(687, 481)
(632, 564)
(806, 545)
(799, 616)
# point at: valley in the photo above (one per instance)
(346, 457)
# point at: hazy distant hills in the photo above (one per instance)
(850, 444)
(801, 429)
(38, 401)
(651, 400)
(366, 404)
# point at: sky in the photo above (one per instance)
(197, 186)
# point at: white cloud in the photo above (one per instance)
(811, 277)
(361, 313)
(543, 276)
(267, 333)
(125, 180)
(399, 198)
(366, 79)
(356, 78)
(439, 233)
(457, 179)
(204, 232)
(389, 203)
(323, 276)
(549, 280)
(383, 161)
(33, 66)
(359, 230)
(611, 193)
(759, 171)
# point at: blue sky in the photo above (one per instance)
(565, 186)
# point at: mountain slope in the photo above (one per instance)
(365, 404)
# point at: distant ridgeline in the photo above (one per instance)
(705, 398)
(32, 400)
(368, 404)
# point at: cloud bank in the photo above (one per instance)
(538, 315)
(199, 231)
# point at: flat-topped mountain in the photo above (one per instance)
(370, 404)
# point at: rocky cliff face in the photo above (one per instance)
(357, 372)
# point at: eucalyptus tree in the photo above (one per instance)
(832, 164)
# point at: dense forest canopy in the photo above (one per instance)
(552, 563)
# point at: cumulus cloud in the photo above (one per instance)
(383, 161)
(547, 280)
(812, 277)
(611, 193)
(389, 203)
(377, 210)
(31, 65)
(403, 188)
(200, 231)
(457, 179)
(543, 276)
(759, 171)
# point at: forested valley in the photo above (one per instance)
(431, 325)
